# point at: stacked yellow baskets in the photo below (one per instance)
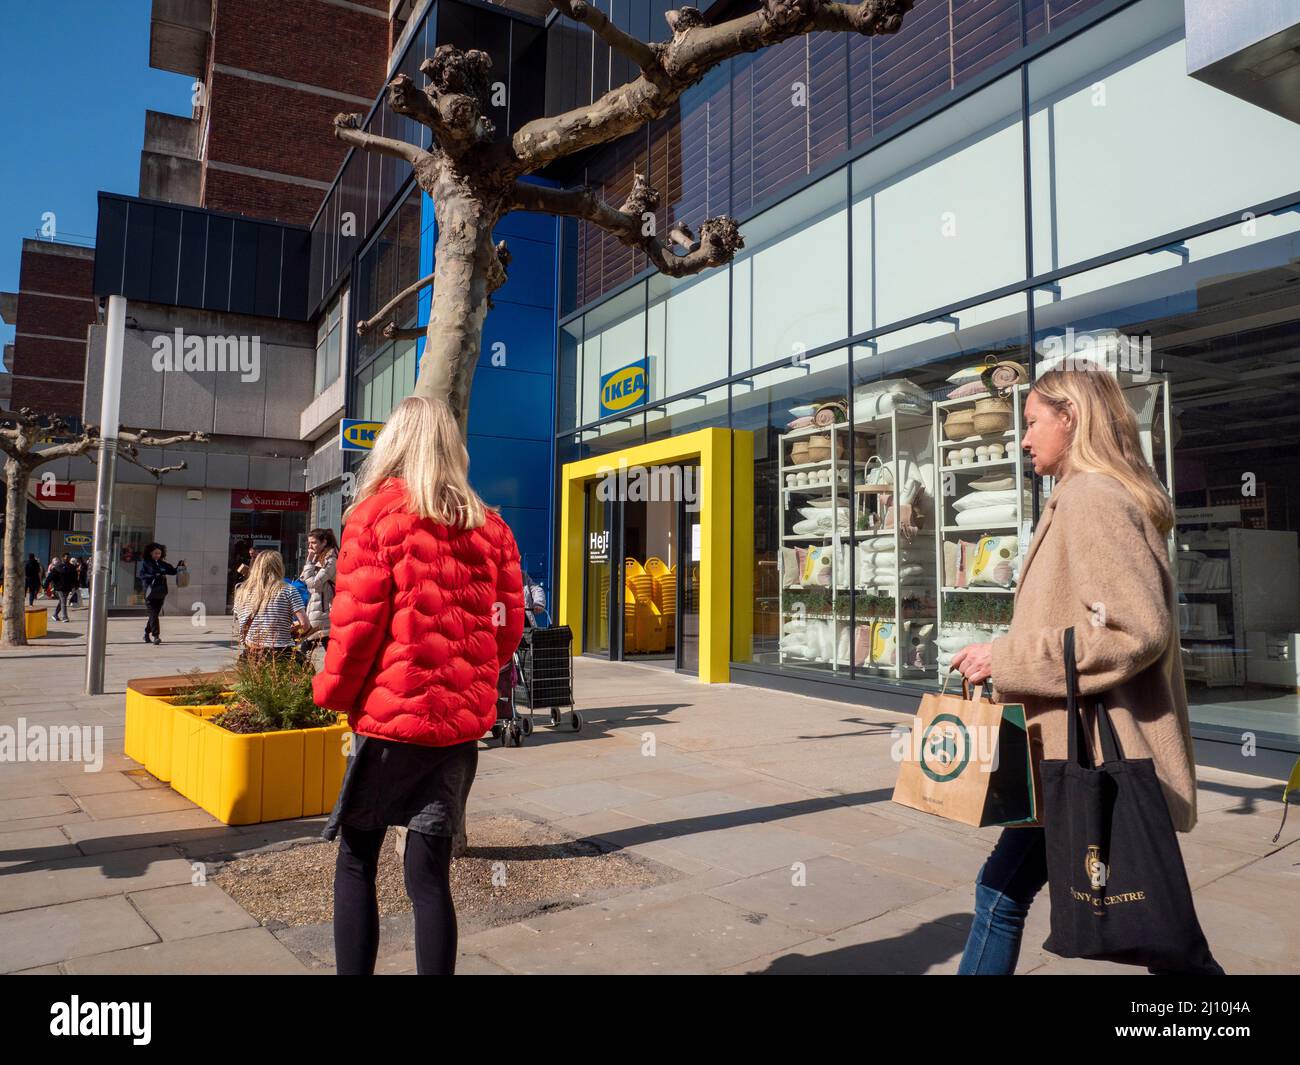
(643, 620)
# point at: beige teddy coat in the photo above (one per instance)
(1097, 562)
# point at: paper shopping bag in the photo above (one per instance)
(968, 760)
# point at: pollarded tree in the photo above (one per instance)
(21, 434)
(474, 178)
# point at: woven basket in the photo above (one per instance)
(819, 447)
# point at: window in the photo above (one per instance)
(790, 286)
(330, 342)
(1124, 145)
(939, 213)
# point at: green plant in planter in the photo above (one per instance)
(201, 690)
(273, 694)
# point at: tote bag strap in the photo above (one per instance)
(1079, 742)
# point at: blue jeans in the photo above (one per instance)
(1014, 873)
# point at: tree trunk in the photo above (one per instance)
(17, 477)
(466, 270)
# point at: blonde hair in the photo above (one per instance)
(265, 580)
(421, 444)
(1105, 438)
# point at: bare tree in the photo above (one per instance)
(474, 178)
(21, 434)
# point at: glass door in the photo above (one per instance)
(599, 602)
(688, 575)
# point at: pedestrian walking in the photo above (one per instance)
(429, 609)
(154, 571)
(74, 597)
(318, 574)
(266, 610)
(62, 578)
(1098, 563)
(32, 578)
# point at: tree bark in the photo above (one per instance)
(17, 477)
(467, 270)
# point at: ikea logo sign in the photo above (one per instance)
(356, 435)
(623, 388)
(77, 540)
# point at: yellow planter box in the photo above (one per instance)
(36, 621)
(262, 776)
(241, 779)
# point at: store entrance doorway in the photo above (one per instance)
(642, 570)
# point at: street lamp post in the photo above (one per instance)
(110, 402)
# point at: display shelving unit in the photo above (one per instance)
(951, 477)
(791, 495)
(887, 433)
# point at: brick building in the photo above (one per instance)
(50, 313)
(268, 78)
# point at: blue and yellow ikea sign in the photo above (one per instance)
(623, 389)
(356, 435)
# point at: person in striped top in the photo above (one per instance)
(266, 608)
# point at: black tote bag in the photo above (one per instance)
(1119, 891)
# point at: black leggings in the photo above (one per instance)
(427, 870)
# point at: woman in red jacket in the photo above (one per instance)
(428, 607)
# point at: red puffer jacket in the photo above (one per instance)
(423, 618)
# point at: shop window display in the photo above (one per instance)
(1218, 320)
(804, 468)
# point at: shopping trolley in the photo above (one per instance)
(545, 659)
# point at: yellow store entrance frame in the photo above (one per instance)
(726, 487)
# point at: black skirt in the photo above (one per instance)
(420, 788)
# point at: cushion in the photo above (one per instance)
(970, 373)
(999, 515)
(993, 483)
(985, 499)
(968, 388)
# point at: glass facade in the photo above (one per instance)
(1094, 199)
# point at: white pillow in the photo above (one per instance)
(992, 484)
(999, 515)
(821, 513)
(984, 499)
(878, 398)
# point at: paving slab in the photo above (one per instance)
(179, 827)
(892, 944)
(245, 951)
(35, 844)
(824, 894)
(49, 934)
(68, 879)
(188, 910)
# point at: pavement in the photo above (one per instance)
(766, 815)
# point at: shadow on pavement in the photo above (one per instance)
(913, 953)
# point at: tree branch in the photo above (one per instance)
(364, 327)
(393, 333)
(634, 225)
(145, 438)
(645, 56)
(694, 50)
(347, 128)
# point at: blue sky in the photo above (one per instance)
(75, 83)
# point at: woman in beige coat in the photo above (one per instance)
(1098, 562)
